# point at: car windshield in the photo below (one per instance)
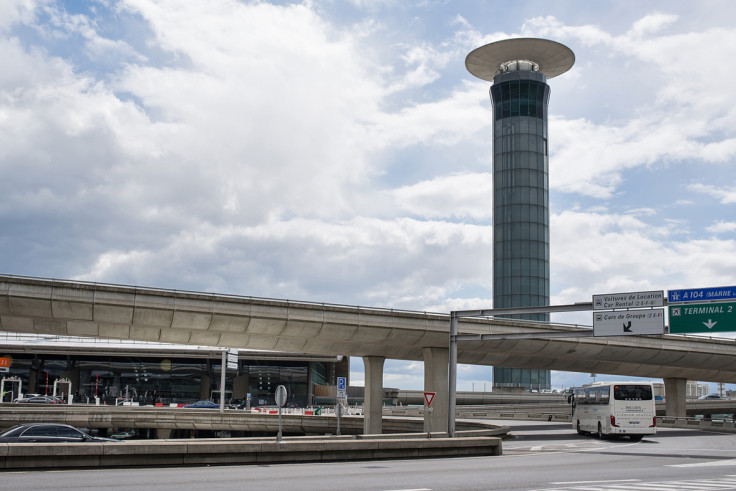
(14, 431)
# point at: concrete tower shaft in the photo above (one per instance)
(520, 191)
(519, 69)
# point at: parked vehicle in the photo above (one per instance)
(238, 403)
(709, 396)
(202, 405)
(122, 435)
(38, 400)
(48, 433)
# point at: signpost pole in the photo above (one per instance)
(280, 397)
(342, 394)
(278, 435)
(338, 411)
(428, 398)
(223, 369)
(452, 375)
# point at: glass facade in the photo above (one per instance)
(165, 379)
(520, 206)
(265, 376)
(146, 380)
(526, 378)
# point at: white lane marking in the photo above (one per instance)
(714, 463)
(596, 482)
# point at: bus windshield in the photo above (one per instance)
(632, 392)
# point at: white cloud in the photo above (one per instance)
(461, 195)
(17, 11)
(651, 24)
(606, 253)
(687, 119)
(726, 195)
(722, 227)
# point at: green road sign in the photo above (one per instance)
(703, 317)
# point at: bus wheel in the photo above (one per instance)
(600, 432)
(580, 432)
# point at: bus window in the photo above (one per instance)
(632, 392)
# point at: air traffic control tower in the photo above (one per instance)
(519, 69)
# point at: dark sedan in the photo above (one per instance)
(48, 433)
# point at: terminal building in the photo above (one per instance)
(158, 373)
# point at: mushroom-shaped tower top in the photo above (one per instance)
(548, 57)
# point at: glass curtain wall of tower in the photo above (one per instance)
(520, 206)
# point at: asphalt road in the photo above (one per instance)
(547, 456)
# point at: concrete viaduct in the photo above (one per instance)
(69, 308)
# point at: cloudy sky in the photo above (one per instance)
(338, 151)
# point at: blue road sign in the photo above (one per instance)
(701, 294)
(340, 383)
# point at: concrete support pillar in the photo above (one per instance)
(32, 387)
(372, 407)
(163, 433)
(674, 393)
(310, 385)
(73, 376)
(240, 386)
(205, 386)
(436, 380)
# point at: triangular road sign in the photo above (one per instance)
(429, 397)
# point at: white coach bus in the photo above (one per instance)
(614, 409)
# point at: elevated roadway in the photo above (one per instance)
(70, 308)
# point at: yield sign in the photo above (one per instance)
(429, 397)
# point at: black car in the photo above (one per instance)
(48, 433)
(238, 403)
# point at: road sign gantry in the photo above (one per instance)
(628, 314)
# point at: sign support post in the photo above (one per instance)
(452, 375)
(223, 369)
(342, 394)
(338, 412)
(428, 398)
(280, 397)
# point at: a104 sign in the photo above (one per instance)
(702, 294)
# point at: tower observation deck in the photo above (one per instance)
(519, 69)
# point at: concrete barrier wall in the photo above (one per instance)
(238, 451)
(509, 411)
(698, 424)
(207, 419)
